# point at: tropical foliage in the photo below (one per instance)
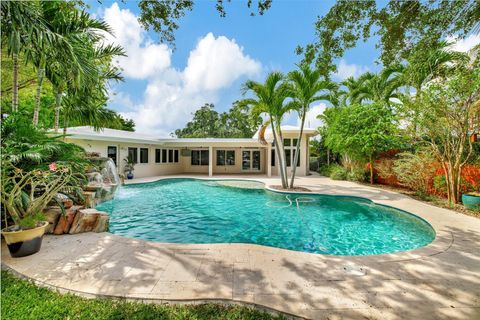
(71, 89)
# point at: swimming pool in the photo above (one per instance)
(229, 211)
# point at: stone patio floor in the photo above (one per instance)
(439, 281)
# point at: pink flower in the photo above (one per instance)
(52, 166)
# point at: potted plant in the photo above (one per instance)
(471, 199)
(24, 195)
(129, 167)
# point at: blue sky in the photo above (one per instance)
(213, 57)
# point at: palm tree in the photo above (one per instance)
(74, 60)
(22, 26)
(270, 100)
(379, 87)
(307, 87)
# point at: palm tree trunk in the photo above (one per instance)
(282, 156)
(15, 83)
(281, 159)
(58, 101)
(40, 77)
(297, 150)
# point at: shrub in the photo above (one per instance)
(357, 174)
(338, 173)
(415, 170)
(439, 183)
(326, 170)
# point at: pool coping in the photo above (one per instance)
(250, 256)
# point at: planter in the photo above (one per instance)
(471, 201)
(24, 242)
(129, 176)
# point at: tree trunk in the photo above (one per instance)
(58, 101)
(15, 83)
(328, 157)
(281, 158)
(40, 76)
(371, 170)
(297, 151)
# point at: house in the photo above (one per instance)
(211, 156)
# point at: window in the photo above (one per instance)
(272, 162)
(290, 148)
(133, 154)
(164, 155)
(175, 156)
(157, 155)
(143, 155)
(170, 156)
(251, 160)
(199, 158)
(230, 157)
(225, 157)
(112, 153)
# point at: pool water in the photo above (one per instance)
(201, 211)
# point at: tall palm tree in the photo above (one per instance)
(270, 98)
(22, 27)
(306, 87)
(70, 53)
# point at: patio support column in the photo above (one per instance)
(210, 161)
(269, 160)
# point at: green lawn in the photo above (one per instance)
(23, 300)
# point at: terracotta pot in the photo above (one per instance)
(23, 243)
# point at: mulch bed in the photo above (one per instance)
(299, 189)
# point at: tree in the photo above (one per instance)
(270, 100)
(204, 124)
(307, 87)
(162, 15)
(399, 26)
(361, 131)
(208, 123)
(446, 118)
(22, 27)
(422, 67)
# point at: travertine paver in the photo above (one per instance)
(439, 281)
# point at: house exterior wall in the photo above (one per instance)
(184, 164)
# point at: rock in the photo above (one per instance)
(65, 221)
(52, 214)
(89, 220)
(89, 199)
(102, 223)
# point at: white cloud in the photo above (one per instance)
(144, 58)
(216, 62)
(311, 120)
(464, 45)
(171, 95)
(345, 70)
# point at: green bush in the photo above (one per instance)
(357, 174)
(326, 170)
(338, 173)
(439, 183)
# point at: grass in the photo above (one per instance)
(21, 299)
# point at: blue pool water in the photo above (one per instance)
(200, 211)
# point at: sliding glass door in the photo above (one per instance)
(251, 160)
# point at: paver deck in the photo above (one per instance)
(439, 281)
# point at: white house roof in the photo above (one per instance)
(286, 129)
(88, 133)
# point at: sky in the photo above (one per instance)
(213, 57)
